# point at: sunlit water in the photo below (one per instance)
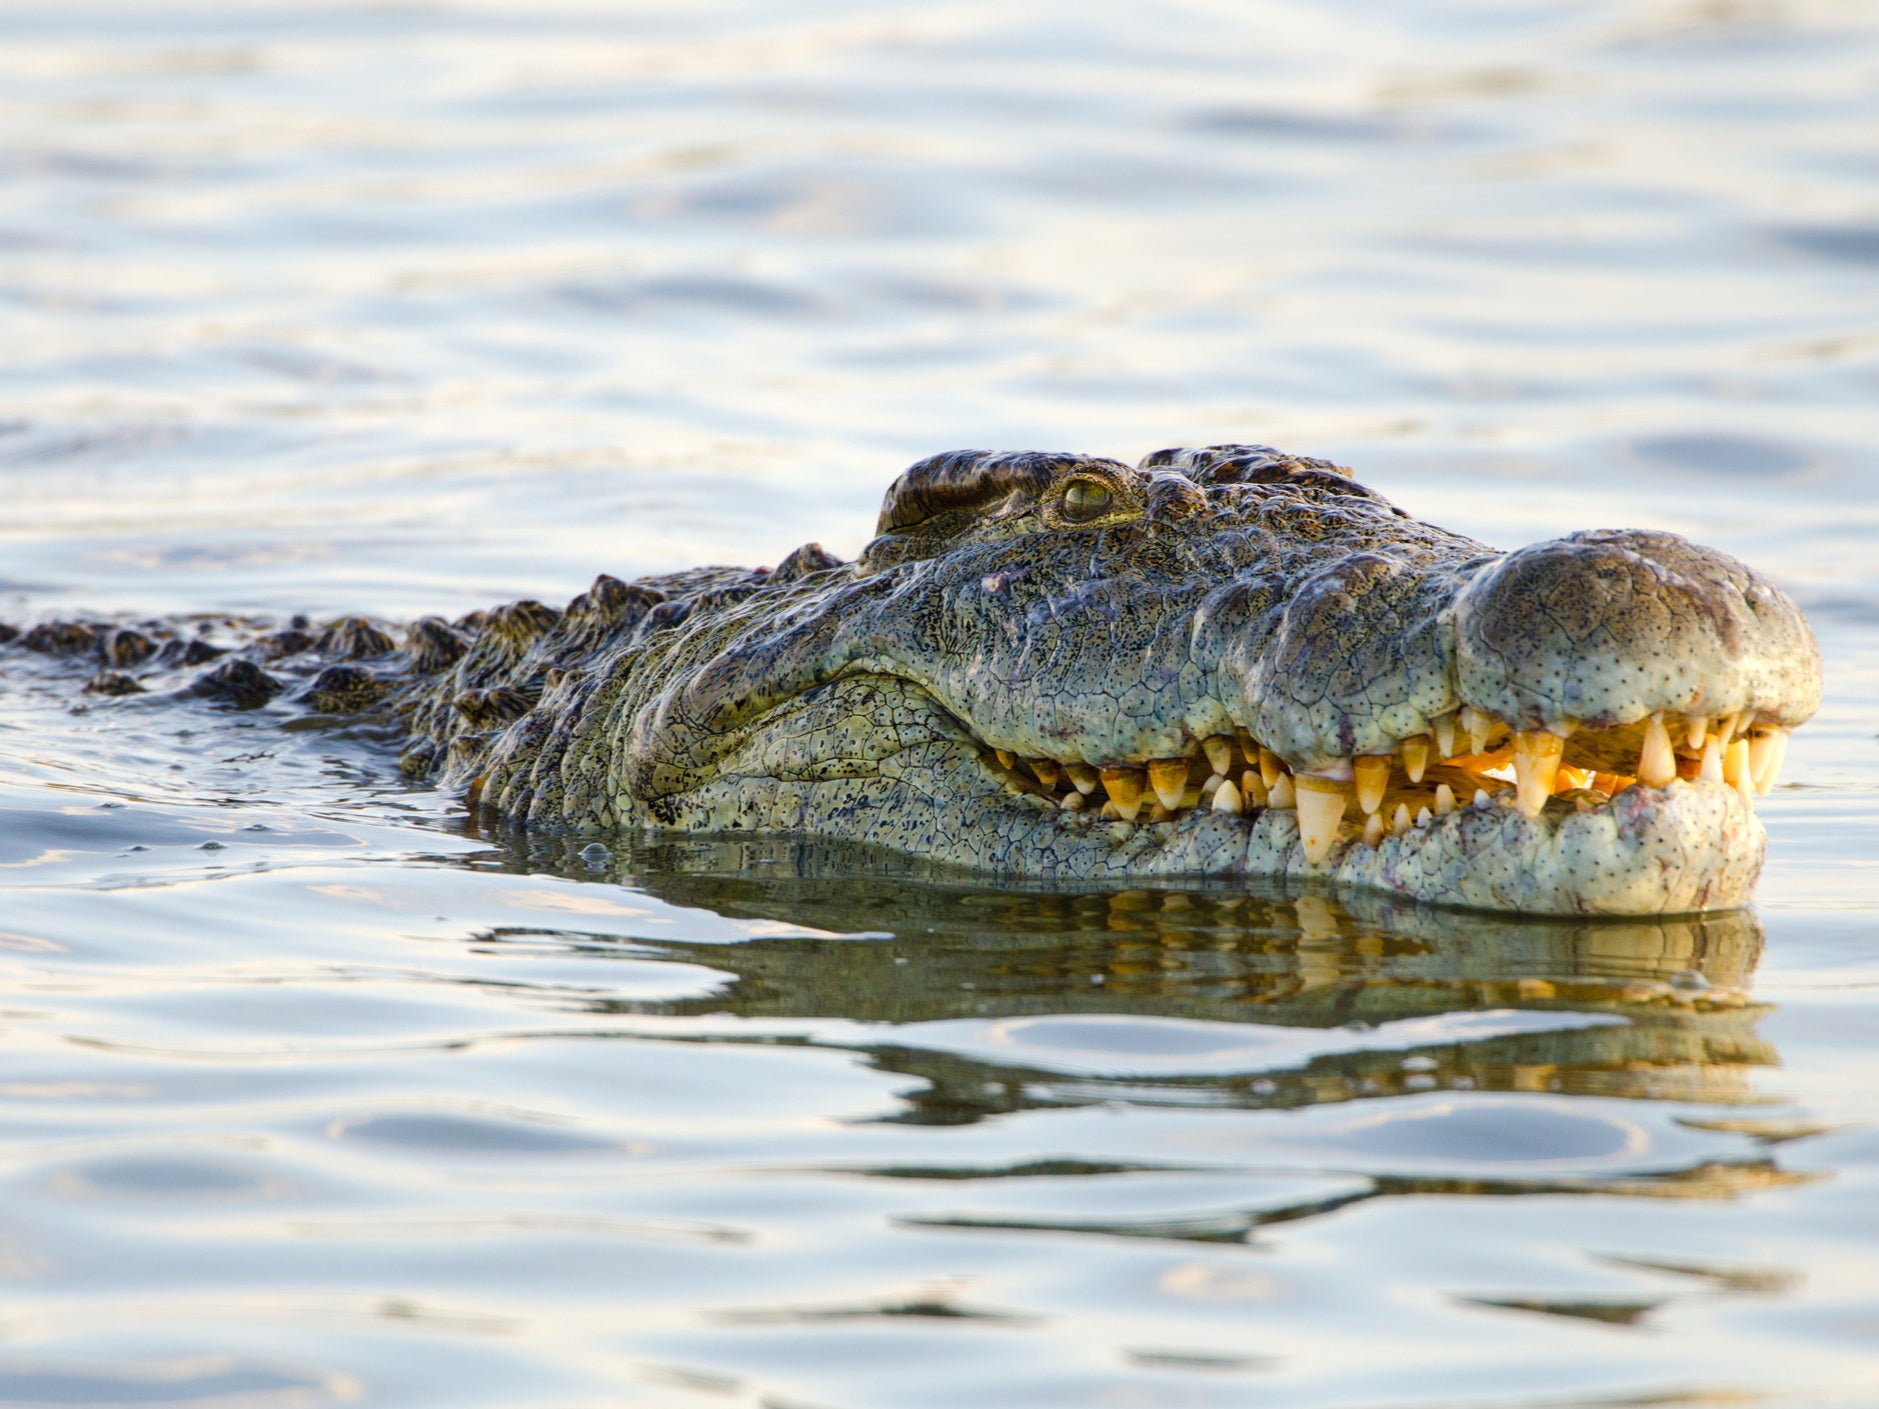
(312, 1095)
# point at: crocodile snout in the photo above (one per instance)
(1606, 627)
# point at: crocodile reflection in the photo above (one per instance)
(904, 947)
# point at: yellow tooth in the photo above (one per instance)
(1373, 775)
(1761, 744)
(1699, 728)
(1422, 817)
(1082, 777)
(1321, 804)
(1073, 802)
(1415, 756)
(1043, 770)
(1479, 726)
(1444, 799)
(1110, 812)
(1271, 767)
(1168, 777)
(1611, 784)
(1219, 753)
(1124, 786)
(1282, 794)
(1657, 765)
(1536, 768)
(1735, 765)
(1006, 758)
(1711, 771)
(1726, 726)
(1253, 790)
(1443, 727)
(1373, 831)
(1227, 799)
(1570, 778)
(1773, 752)
(1160, 812)
(1400, 822)
(1249, 746)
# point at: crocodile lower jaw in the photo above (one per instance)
(1686, 846)
(1470, 814)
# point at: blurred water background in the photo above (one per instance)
(314, 1095)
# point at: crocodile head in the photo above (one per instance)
(1223, 662)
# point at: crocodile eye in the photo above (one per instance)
(1085, 499)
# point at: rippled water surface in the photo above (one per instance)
(313, 1094)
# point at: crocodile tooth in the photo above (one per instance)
(1726, 726)
(1372, 773)
(1110, 812)
(1536, 768)
(1772, 748)
(1124, 786)
(1168, 777)
(1711, 771)
(1082, 777)
(1482, 798)
(1761, 744)
(1282, 794)
(1321, 804)
(1044, 770)
(1443, 728)
(1415, 756)
(1073, 801)
(1399, 821)
(1253, 789)
(1227, 798)
(1374, 831)
(1479, 726)
(1735, 765)
(1422, 817)
(1611, 784)
(1219, 750)
(1571, 779)
(1657, 765)
(1160, 812)
(1699, 728)
(1444, 799)
(1249, 746)
(1271, 766)
(1006, 758)
(1209, 785)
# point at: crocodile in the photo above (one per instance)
(1229, 662)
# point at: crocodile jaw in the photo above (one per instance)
(936, 792)
(1688, 846)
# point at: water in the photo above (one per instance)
(315, 1095)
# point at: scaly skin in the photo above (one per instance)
(1079, 612)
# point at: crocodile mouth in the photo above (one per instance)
(1460, 811)
(1467, 758)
